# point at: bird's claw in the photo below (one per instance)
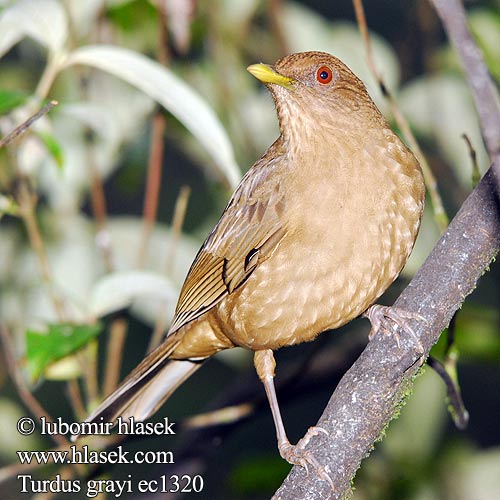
(400, 317)
(298, 455)
(311, 432)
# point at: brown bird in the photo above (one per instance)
(316, 231)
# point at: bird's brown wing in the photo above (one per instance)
(247, 233)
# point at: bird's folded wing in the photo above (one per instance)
(248, 232)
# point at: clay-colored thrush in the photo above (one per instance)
(316, 231)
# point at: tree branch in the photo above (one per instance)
(452, 15)
(369, 394)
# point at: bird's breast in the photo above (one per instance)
(352, 223)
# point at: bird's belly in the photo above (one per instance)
(314, 282)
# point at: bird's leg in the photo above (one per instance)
(400, 317)
(293, 454)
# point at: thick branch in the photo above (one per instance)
(452, 15)
(367, 396)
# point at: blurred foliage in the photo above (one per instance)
(76, 250)
(10, 100)
(61, 340)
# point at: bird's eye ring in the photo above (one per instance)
(324, 75)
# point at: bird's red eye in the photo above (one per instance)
(324, 75)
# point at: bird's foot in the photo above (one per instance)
(298, 455)
(377, 313)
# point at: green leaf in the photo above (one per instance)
(8, 206)
(476, 332)
(11, 99)
(62, 339)
(53, 147)
(485, 25)
(128, 15)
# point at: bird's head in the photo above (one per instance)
(316, 89)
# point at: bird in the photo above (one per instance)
(318, 228)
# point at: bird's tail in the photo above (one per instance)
(147, 387)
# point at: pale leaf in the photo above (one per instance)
(43, 20)
(171, 92)
(118, 290)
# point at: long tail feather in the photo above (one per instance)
(160, 388)
(147, 387)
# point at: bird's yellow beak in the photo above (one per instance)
(266, 74)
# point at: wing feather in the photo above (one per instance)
(248, 232)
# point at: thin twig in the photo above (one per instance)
(75, 399)
(163, 53)
(222, 416)
(103, 242)
(27, 202)
(155, 164)
(453, 17)
(175, 234)
(99, 211)
(458, 411)
(27, 124)
(116, 344)
(47, 78)
(153, 183)
(176, 229)
(87, 359)
(430, 181)
(476, 174)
